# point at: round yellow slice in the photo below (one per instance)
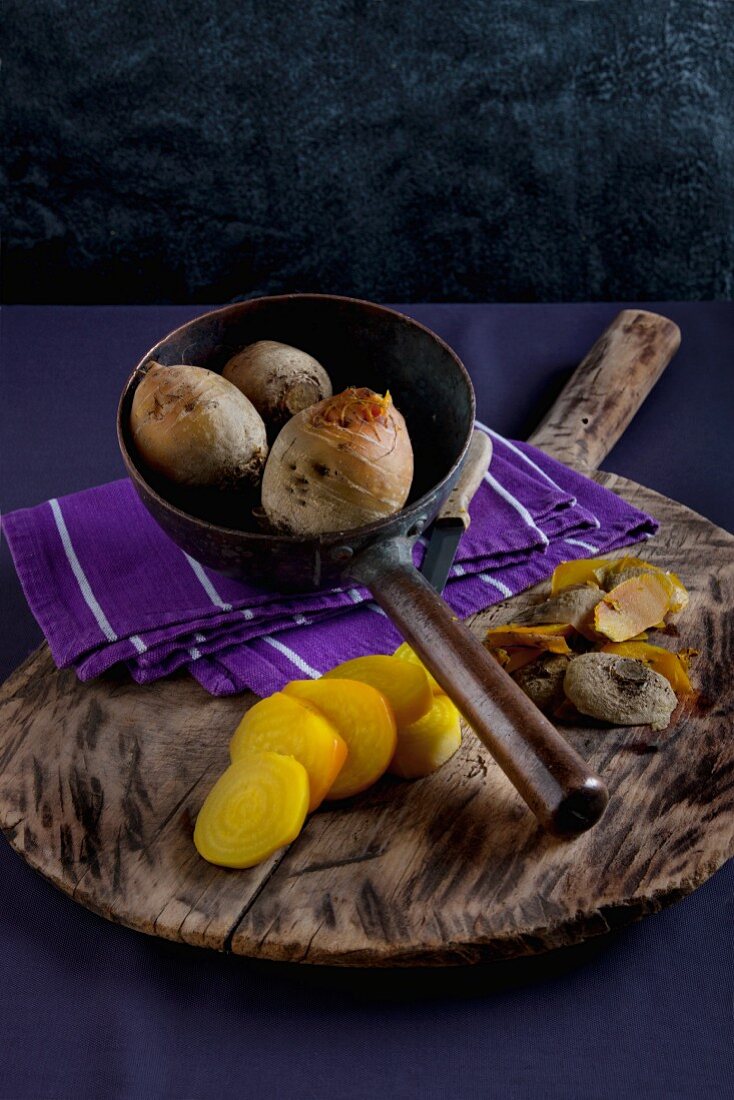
(294, 728)
(405, 653)
(364, 719)
(423, 747)
(256, 806)
(404, 684)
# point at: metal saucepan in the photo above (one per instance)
(363, 344)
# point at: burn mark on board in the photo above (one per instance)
(641, 748)
(135, 797)
(326, 912)
(715, 589)
(88, 730)
(89, 854)
(685, 842)
(373, 851)
(38, 782)
(117, 864)
(698, 786)
(66, 849)
(375, 914)
(87, 798)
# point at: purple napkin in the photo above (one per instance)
(107, 585)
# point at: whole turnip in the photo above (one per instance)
(342, 463)
(278, 379)
(194, 428)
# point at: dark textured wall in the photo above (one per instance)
(396, 149)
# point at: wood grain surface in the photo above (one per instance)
(100, 785)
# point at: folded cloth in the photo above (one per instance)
(106, 585)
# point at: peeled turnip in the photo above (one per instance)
(619, 690)
(342, 463)
(196, 429)
(279, 380)
(542, 680)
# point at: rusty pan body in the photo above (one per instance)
(358, 343)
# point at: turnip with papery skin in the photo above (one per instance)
(278, 379)
(340, 464)
(196, 429)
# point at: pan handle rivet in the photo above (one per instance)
(342, 553)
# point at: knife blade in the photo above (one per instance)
(453, 519)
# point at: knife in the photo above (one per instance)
(453, 519)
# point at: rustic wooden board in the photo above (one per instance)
(100, 785)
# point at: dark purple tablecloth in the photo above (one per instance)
(91, 1010)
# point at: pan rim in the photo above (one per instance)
(346, 535)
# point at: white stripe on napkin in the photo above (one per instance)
(516, 504)
(207, 585)
(460, 572)
(292, 656)
(520, 454)
(583, 545)
(84, 586)
(507, 592)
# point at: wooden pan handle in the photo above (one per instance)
(560, 789)
(473, 470)
(607, 388)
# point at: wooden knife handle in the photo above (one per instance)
(558, 786)
(476, 464)
(607, 388)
